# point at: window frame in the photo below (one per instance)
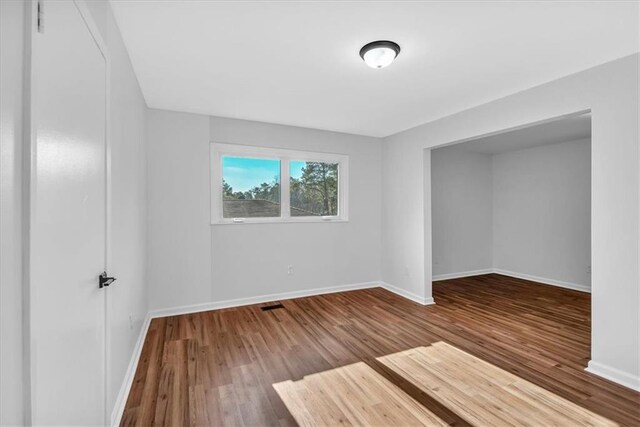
(285, 156)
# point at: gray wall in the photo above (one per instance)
(11, 80)
(610, 91)
(542, 213)
(462, 194)
(193, 262)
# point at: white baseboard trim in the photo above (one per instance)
(127, 382)
(407, 294)
(461, 274)
(216, 305)
(552, 282)
(613, 374)
(543, 280)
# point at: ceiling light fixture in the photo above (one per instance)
(379, 54)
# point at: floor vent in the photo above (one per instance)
(271, 307)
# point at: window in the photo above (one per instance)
(250, 187)
(257, 184)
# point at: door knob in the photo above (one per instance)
(104, 280)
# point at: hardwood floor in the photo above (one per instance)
(218, 367)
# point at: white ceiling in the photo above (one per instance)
(297, 63)
(553, 132)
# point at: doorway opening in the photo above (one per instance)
(516, 203)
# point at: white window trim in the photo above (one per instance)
(218, 150)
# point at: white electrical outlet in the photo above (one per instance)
(290, 270)
(588, 269)
(131, 321)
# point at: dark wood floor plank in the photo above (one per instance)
(218, 367)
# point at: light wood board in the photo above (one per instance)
(352, 395)
(484, 394)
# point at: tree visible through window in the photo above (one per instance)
(313, 188)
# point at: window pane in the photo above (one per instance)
(314, 188)
(250, 187)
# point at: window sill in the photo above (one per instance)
(281, 221)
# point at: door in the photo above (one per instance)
(68, 220)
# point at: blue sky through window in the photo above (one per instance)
(295, 167)
(244, 173)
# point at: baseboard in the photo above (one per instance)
(407, 294)
(217, 305)
(552, 282)
(461, 274)
(195, 308)
(127, 382)
(543, 280)
(613, 374)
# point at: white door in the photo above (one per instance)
(68, 221)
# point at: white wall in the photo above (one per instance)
(611, 92)
(128, 296)
(179, 233)
(11, 104)
(194, 262)
(542, 212)
(461, 202)
(322, 254)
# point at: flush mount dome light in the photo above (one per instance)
(380, 53)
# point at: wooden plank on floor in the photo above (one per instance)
(352, 395)
(484, 394)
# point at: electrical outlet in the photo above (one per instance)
(588, 269)
(131, 321)
(290, 270)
